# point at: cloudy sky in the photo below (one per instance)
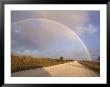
(72, 34)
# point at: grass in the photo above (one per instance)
(92, 65)
(19, 63)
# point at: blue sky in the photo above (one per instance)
(92, 41)
(72, 34)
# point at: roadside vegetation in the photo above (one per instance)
(93, 65)
(23, 62)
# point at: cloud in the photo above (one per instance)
(42, 37)
(86, 29)
(69, 18)
(78, 21)
(45, 38)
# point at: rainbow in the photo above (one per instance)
(67, 29)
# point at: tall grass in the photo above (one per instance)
(24, 62)
(92, 65)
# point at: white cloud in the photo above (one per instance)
(86, 29)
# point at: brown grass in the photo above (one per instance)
(92, 65)
(19, 63)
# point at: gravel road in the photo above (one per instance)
(71, 69)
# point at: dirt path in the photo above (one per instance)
(71, 69)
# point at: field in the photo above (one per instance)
(19, 63)
(23, 62)
(69, 69)
(92, 65)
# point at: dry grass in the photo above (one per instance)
(92, 65)
(19, 63)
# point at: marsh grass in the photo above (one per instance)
(95, 66)
(23, 62)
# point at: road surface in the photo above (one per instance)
(71, 69)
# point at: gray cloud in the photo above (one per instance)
(70, 18)
(44, 38)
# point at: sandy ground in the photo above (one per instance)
(71, 69)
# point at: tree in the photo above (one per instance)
(98, 60)
(61, 58)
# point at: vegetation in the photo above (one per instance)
(95, 66)
(24, 62)
(61, 58)
(98, 60)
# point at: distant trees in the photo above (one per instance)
(98, 59)
(61, 58)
